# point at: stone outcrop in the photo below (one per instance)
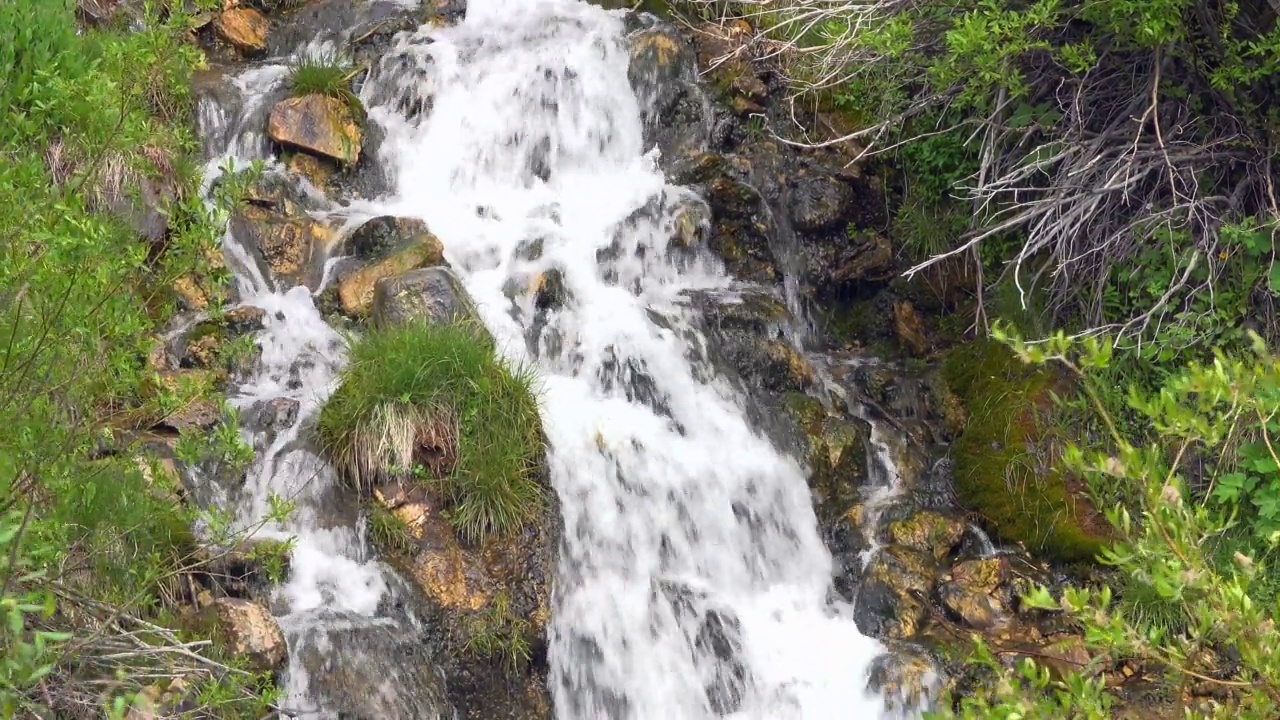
(249, 631)
(357, 290)
(318, 124)
(244, 28)
(431, 294)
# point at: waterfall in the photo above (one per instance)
(693, 582)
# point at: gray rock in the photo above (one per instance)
(433, 295)
(365, 671)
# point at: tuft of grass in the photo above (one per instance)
(388, 531)
(434, 402)
(325, 74)
(497, 632)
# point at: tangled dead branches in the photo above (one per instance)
(1144, 150)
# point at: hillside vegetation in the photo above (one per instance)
(100, 219)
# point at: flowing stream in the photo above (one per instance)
(693, 582)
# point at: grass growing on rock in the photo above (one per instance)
(434, 402)
(325, 74)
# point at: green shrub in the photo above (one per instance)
(96, 550)
(1202, 605)
(434, 402)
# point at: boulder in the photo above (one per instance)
(317, 124)
(364, 670)
(358, 290)
(903, 677)
(243, 28)
(249, 631)
(290, 247)
(820, 203)
(664, 76)
(893, 599)
(381, 236)
(433, 295)
(929, 532)
(491, 601)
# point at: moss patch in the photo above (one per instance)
(1007, 459)
(433, 403)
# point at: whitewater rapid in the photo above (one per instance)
(693, 582)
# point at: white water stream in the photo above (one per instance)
(667, 504)
(691, 558)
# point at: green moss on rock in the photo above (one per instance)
(1007, 465)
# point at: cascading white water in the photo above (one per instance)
(693, 582)
(334, 605)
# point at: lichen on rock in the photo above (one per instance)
(319, 124)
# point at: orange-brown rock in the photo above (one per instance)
(317, 124)
(243, 28)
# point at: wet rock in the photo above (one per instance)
(741, 228)
(433, 295)
(663, 73)
(197, 415)
(909, 327)
(367, 671)
(928, 532)
(836, 454)
(243, 28)
(820, 203)
(273, 417)
(196, 293)
(211, 345)
(840, 263)
(904, 677)
(381, 236)
(893, 599)
(500, 587)
(250, 632)
(721, 637)
(358, 291)
(549, 291)
(246, 571)
(318, 124)
(975, 609)
(315, 170)
(289, 246)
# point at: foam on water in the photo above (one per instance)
(693, 582)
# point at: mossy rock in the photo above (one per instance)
(836, 456)
(1007, 460)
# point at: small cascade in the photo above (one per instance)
(693, 582)
(341, 609)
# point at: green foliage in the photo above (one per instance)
(497, 632)
(1178, 544)
(387, 531)
(440, 388)
(1007, 459)
(86, 117)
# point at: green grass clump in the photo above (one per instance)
(435, 403)
(388, 531)
(498, 633)
(1007, 460)
(325, 74)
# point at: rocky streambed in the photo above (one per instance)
(839, 361)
